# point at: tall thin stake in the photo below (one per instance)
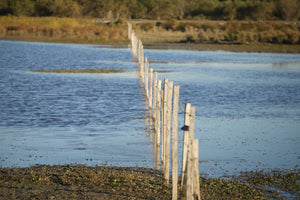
(189, 172)
(175, 142)
(185, 140)
(146, 77)
(150, 89)
(168, 130)
(164, 125)
(195, 158)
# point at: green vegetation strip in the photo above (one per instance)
(101, 182)
(79, 70)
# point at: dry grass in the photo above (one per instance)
(205, 31)
(55, 29)
(265, 36)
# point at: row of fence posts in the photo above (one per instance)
(162, 114)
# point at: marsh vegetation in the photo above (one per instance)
(272, 36)
(66, 30)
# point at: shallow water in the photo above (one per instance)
(247, 107)
(50, 118)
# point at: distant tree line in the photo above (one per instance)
(157, 9)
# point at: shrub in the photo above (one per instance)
(171, 24)
(293, 37)
(191, 38)
(202, 36)
(146, 26)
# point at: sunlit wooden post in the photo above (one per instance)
(129, 31)
(195, 158)
(158, 114)
(154, 98)
(169, 93)
(164, 125)
(150, 89)
(134, 45)
(139, 57)
(189, 172)
(185, 140)
(141, 60)
(147, 77)
(175, 142)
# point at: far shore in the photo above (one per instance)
(198, 35)
(258, 48)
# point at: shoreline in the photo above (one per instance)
(104, 182)
(249, 48)
(197, 35)
(257, 48)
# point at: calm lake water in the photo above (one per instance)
(247, 107)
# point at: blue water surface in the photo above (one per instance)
(247, 106)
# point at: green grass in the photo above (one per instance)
(79, 70)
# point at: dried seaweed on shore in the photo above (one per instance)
(102, 182)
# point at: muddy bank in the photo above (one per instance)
(102, 182)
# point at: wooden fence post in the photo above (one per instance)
(129, 30)
(195, 158)
(158, 114)
(139, 57)
(154, 98)
(146, 77)
(150, 90)
(190, 177)
(163, 123)
(141, 60)
(175, 142)
(169, 93)
(185, 140)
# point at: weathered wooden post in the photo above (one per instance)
(135, 45)
(185, 140)
(158, 112)
(154, 98)
(168, 115)
(129, 31)
(139, 57)
(190, 177)
(195, 158)
(175, 142)
(163, 124)
(150, 89)
(147, 78)
(141, 60)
